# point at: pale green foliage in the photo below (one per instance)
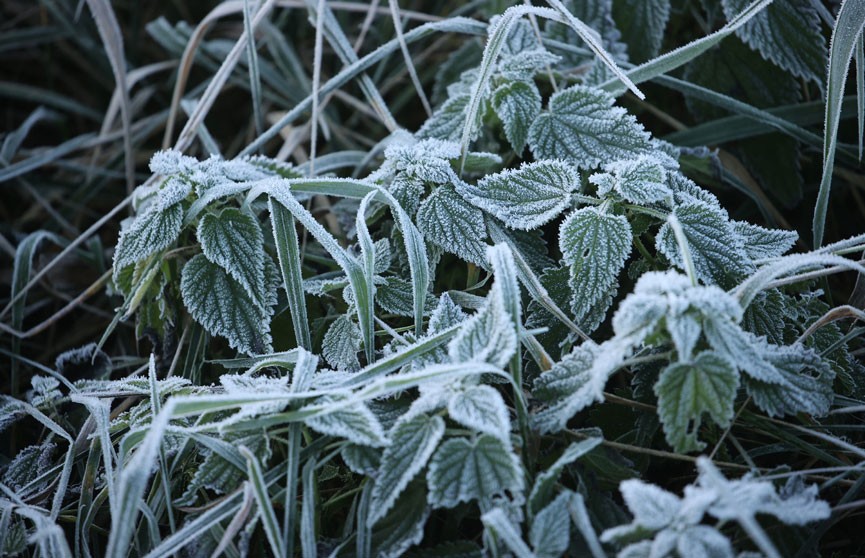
(462, 470)
(526, 198)
(450, 222)
(341, 344)
(582, 126)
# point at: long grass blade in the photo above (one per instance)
(288, 252)
(845, 37)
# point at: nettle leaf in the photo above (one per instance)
(523, 65)
(154, 230)
(355, 422)
(448, 120)
(718, 252)
(570, 386)
(462, 470)
(488, 336)
(595, 245)
(787, 33)
(761, 243)
(583, 127)
(221, 304)
(744, 498)
(341, 344)
(642, 23)
(642, 180)
(453, 224)
(29, 464)
(403, 527)
(805, 386)
(233, 240)
(220, 474)
(412, 442)
(551, 529)
(525, 198)
(686, 390)
(481, 408)
(407, 190)
(517, 104)
(362, 460)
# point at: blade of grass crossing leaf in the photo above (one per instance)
(580, 517)
(252, 63)
(316, 84)
(845, 37)
(497, 521)
(409, 64)
(678, 57)
(860, 89)
(112, 40)
(303, 372)
(288, 252)
(368, 252)
(589, 36)
(307, 516)
(155, 407)
(265, 506)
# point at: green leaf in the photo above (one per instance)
(641, 181)
(450, 222)
(551, 529)
(517, 104)
(220, 304)
(583, 127)
(488, 336)
(686, 390)
(448, 120)
(356, 423)
(806, 385)
(787, 33)
(341, 344)
(462, 470)
(545, 483)
(762, 243)
(718, 252)
(525, 198)
(642, 23)
(595, 245)
(412, 442)
(233, 240)
(482, 409)
(403, 527)
(154, 230)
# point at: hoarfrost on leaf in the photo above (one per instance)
(517, 104)
(482, 409)
(583, 127)
(452, 223)
(525, 198)
(462, 470)
(341, 344)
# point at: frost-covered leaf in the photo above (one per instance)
(407, 190)
(395, 295)
(642, 23)
(412, 442)
(568, 387)
(761, 243)
(462, 470)
(488, 336)
(223, 307)
(595, 245)
(653, 507)
(642, 180)
(742, 349)
(355, 422)
(517, 104)
(446, 314)
(805, 384)
(550, 534)
(744, 498)
(523, 65)
(29, 464)
(525, 198)
(787, 33)
(452, 223)
(403, 527)
(233, 240)
(702, 540)
(154, 230)
(448, 120)
(341, 344)
(220, 474)
(686, 390)
(718, 252)
(362, 460)
(583, 127)
(482, 409)
(427, 160)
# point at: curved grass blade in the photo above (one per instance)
(845, 37)
(288, 252)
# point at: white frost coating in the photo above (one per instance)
(642, 180)
(481, 408)
(488, 336)
(525, 198)
(761, 243)
(462, 470)
(356, 423)
(341, 344)
(582, 126)
(517, 104)
(453, 224)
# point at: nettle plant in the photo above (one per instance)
(413, 411)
